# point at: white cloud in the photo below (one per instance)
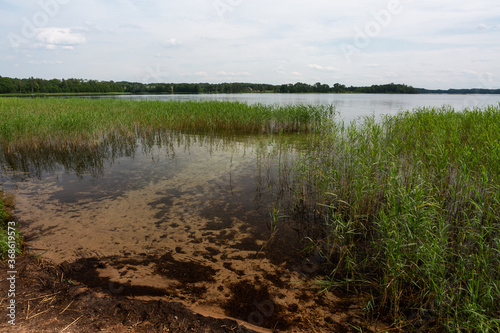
(482, 27)
(322, 68)
(51, 38)
(470, 72)
(171, 43)
(45, 62)
(223, 73)
(197, 74)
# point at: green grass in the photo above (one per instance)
(6, 206)
(40, 120)
(77, 132)
(410, 211)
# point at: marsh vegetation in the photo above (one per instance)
(409, 207)
(404, 208)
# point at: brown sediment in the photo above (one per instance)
(47, 300)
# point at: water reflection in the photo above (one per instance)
(153, 180)
(34, 161)
(93, 157)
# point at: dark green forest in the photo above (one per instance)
(460, 91)
(41, 86)
(80, 86)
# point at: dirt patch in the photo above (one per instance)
(73, 297)
(254, 304)
(185, 271)
(48, 301)
(85, 271)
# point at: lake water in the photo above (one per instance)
(350, 106)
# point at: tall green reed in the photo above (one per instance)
(409, 210)
(30, 118)
(74, 132)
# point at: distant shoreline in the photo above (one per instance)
(78, 87)
(83, 94)
(63, 94)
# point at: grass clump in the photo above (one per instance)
(6, 207)
(409, 207)
(80, 133)
(28, 122)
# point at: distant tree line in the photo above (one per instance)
(40, 86)
(460, 91)
(231, 88)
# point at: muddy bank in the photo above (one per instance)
(71, 297)
(48, 301)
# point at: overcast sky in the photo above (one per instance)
(430, 44)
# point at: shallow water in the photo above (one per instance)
(175, 217)
(187, 219)
(144, 202)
